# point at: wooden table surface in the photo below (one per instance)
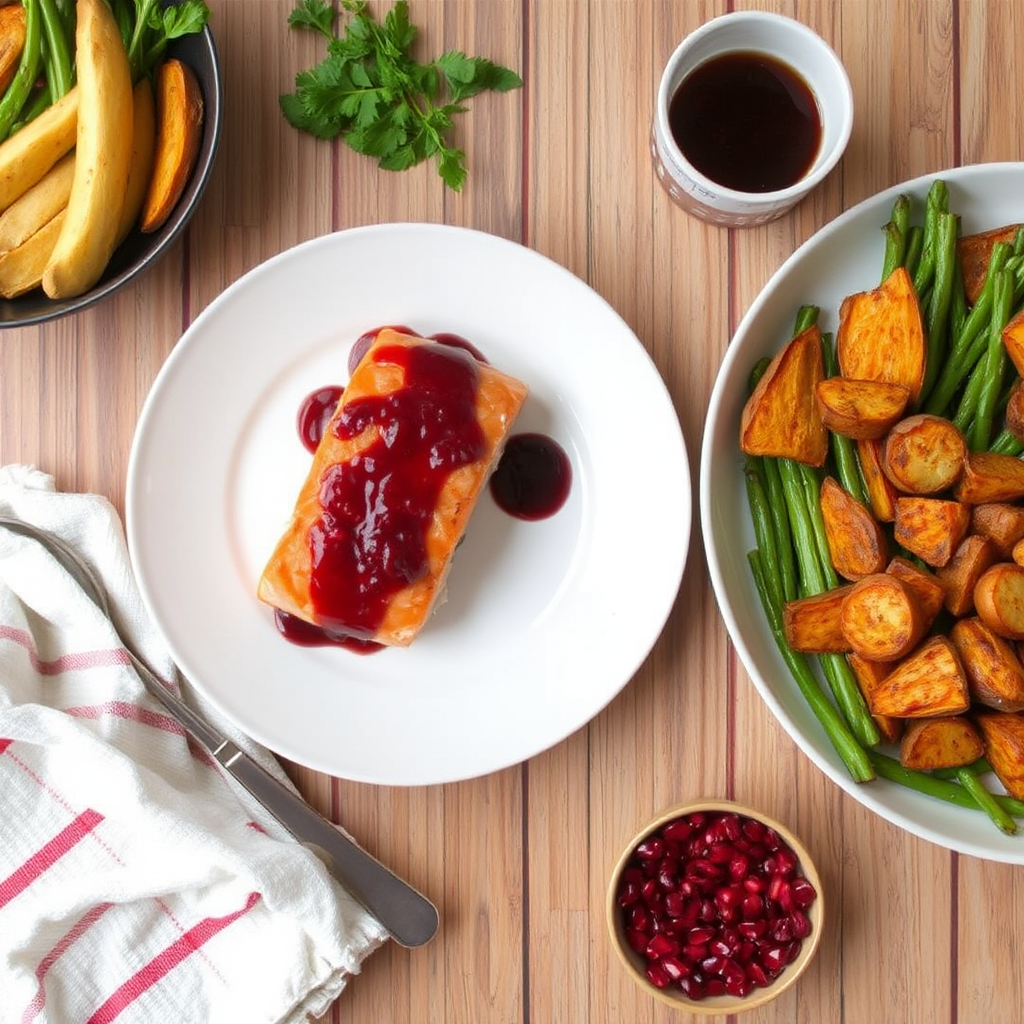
(518, 861)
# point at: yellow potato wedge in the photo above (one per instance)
(1018, 552)
(929, 682)
(869, 675)
(140, 171)
(999, 599)
(1013, 418)
(881, 618)
(881, 334)
(924, 454)
(930, 592)
(12, 41)
(1003, 735)
(861, 409)
(974, 252)
(812, 624)
(21, 269)
(949, 741)
(30, 152)
(103, 152)
(995, 675)
(961, 573)
(1013, 339)
(781, 416)
(38, 206)
(988, 477)
(179, 118)
(857, 543)
(1002, 523)
(931, 528)
(882, 494)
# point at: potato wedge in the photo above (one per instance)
(974, 252)
(869, 674)
(1013, 340)
(781, 416)
(949, 741)
(1018, 552)
(12, 41)
(30, 152)
(179, 118)
(999, 599)
(1002, 523)
(924, 454)
(140, 171)
(857, 543)
(38, 206)
(1003, 735)
(930, 592)
(929, 682)
(861, 409)
(881, 334)
(103, 151)
(1013, 417)
(988, 477)
(812, 624)
(960, 574)
(995, 675)
(21, 269)
(881, 493)
(881, 618)
(931, 528)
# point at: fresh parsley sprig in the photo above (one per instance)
(378, 98)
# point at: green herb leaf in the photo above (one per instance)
(370, 91)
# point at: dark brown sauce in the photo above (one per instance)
(746, 121)
(533, 477)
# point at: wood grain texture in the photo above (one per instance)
(518, 861)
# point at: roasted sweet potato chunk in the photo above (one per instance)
(1003, 735)
(12, 41)
(961, 573)
(1013, 340)
(999, 599)
(949, 741)
(931, 528)
(929, 682)
(857, 544)
(974, 252)
(781, 416)
(1002, 523)
(861, 409)
(995, 675)
(881, 493)
(924, 454)
(881, 618)
(988, 477)
(881, 334)
(929, 590)
(812, 624)
(869, 674)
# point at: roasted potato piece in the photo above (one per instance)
(988, 477)
(861, 409)
(881, 493)
(929, 682)
(179, 121)
(881, 334)
(1013, 417)
(995, 675)
(21, 269)
(974, 252)
(1013, 340)
(930, 593)
(1003, 524)
(781, 416)
(961, 573)
(999, 599)
(39, 205)
(140, 170)
(1003, 735)
(857, 544)
(868, 675)
(924, 454)
(931, 528)
(12, 41)
(881, 618)
(812, 624)
(1018, 552)
(949, 741)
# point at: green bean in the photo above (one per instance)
(59, 72)
(1006, 444)
(915, 243)
(896, 235)
(844, 449)
(936, 204)
(993, 366)
(942, 290)
(764, 527)
(979, 767)
(805, 317)
(986, 801)
(28, 67)
(783, 533)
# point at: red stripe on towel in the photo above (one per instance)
(46, 856)
(165, 961)
(4, 744)
(132, 712)
(66, 662)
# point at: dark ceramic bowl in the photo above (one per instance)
(138, 251)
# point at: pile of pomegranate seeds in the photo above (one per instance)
(716, 904)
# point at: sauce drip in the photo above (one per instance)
(746, 121)
(533, 477)
(315, 413)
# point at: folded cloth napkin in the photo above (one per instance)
(138, 882)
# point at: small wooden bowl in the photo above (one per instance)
(636, 964)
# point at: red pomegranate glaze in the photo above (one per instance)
(315, 413)
(715, 903)
(533, 477)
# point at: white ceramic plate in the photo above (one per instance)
(843, 257)
(545, 621)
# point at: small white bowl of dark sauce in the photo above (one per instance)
(753, 111)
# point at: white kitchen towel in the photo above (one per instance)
(138, 882)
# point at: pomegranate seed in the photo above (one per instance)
(688, 918)
(692, 987)
(629, 894)
(752, 907)
(782, 929)
(739, 867)
(651, 849)
(752, 929)
(697, 936)
(640, 919)
(773, 959)
(803, 893)
(801, 924)
(695, 951)
(755, 972)
(649, 892)
(754, 829)
(675, 968)
(658, 976)
(730, 896)
(677, 831)
(662, 945)
(721, 853)
(697, 819)
(636, 939)
(713, 965)
(754, 883)
(715, 987)
(707, 913)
